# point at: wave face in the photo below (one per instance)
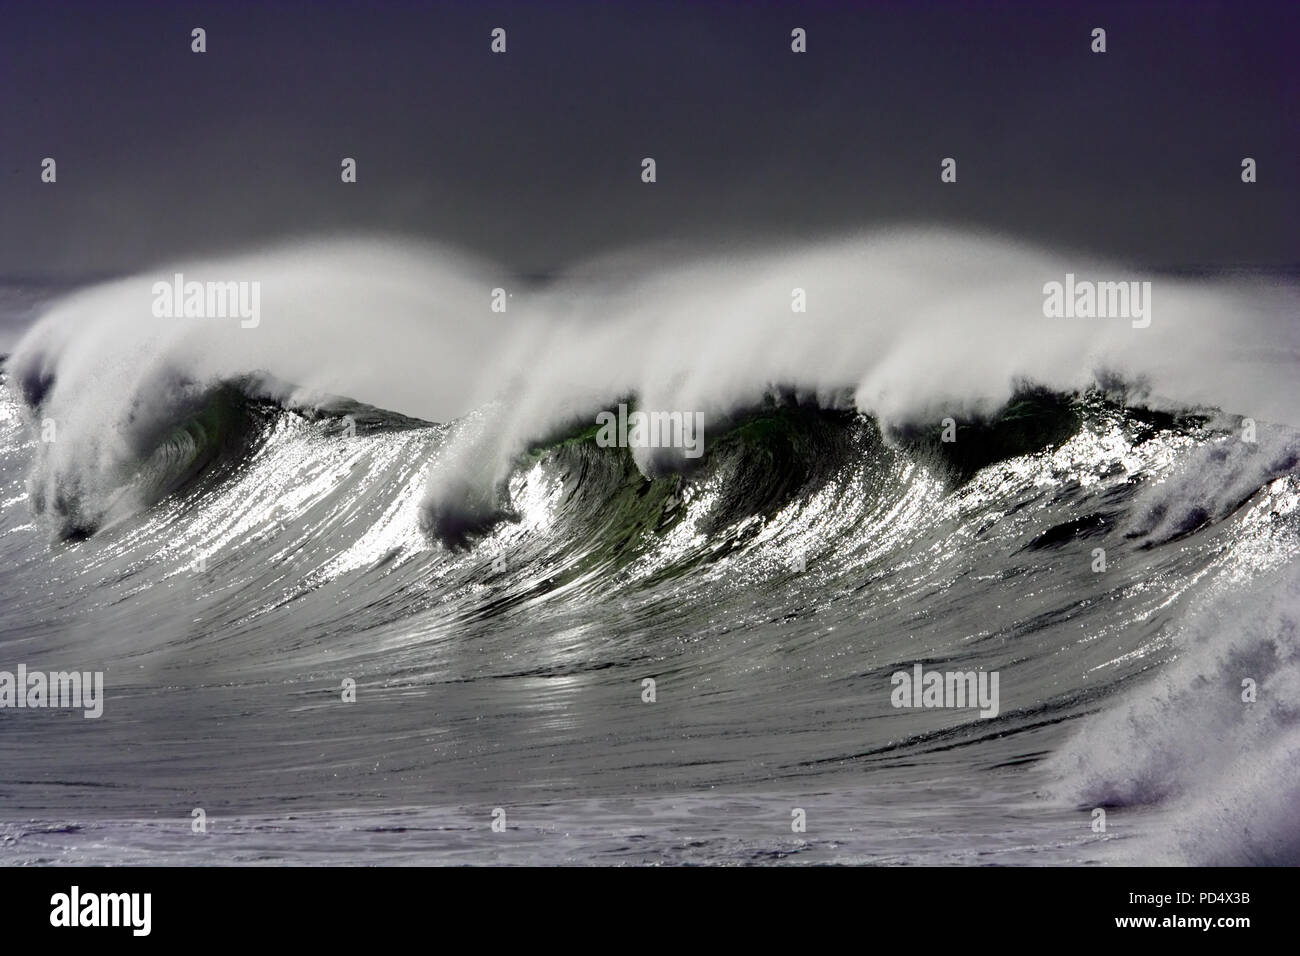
(230, 550)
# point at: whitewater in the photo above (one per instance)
(387, 483)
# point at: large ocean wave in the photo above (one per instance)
(229, 547)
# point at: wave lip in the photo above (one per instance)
(177, 436)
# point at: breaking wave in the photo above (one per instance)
(175, 504)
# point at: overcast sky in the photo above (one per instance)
(533, 157)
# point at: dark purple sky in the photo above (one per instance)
(533, 157)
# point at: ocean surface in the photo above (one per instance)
(233, 552)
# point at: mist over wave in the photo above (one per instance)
(892, 321)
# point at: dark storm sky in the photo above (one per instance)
(534, 157)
